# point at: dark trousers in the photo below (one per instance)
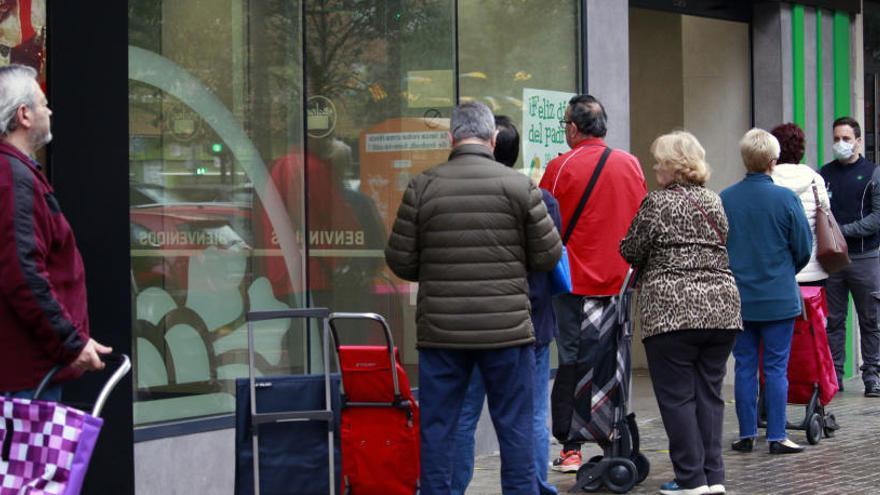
(51, 393)
(687, 369)
(509, 378)
(862, 279)
(571, 311)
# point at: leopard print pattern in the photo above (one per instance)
(685, 277)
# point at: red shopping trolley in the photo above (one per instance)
(380, 417)
(812, 381)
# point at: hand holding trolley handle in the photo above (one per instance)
(123, 367)
(89, 358)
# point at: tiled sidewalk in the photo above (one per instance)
(848, 464)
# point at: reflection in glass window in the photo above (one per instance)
(507, 49)
(379, 92)
(521, 59)
(23, 40)
(268, 155)
(23, 35)
(215, 96)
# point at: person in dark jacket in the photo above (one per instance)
(689, 308)
(769, 242)
(853, 184)
(544, 321)
(43, 315)
(469, 231)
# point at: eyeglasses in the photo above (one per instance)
(563, 123)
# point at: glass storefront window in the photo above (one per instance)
(270, 144)
(519, 58)
(380, 89)
(215, 96)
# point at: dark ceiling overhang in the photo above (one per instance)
(736, 10)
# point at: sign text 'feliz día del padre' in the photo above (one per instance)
(544, 138)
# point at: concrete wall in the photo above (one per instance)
(692, 73)
(657, 94)
(771, 39)
(717, 84)
(656, 85)
(187, 465)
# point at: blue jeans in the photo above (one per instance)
(444, 375)
(463, 464)
(52, 393)
(775, 336)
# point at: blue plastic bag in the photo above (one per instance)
(560, 277)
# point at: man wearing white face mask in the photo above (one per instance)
(853, 185)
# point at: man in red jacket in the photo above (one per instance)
(597, 269)
(43, 314)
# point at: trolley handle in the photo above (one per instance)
(252, 316)
(322, 415)
(389, 340)
(123, 366)
(629, 281)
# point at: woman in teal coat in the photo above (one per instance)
(769, 242)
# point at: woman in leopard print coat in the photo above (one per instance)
(690, 308)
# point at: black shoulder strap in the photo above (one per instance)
(569, 229)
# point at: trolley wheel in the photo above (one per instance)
(643, 466)
(582, 471)
(814, 429)
(621, 475)
(596, 459)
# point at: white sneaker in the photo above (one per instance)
(717, 489)
(672, 488)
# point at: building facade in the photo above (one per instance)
(222, 156)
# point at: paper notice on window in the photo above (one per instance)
(407, 141)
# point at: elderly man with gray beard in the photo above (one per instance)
(469, 231)
(43, 316)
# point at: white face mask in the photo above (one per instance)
(842, 150)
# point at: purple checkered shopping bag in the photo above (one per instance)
(46, 446)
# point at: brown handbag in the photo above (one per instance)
(831, 249)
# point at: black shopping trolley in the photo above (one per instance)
(287, 427)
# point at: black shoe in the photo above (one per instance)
(785, 447)
(872, 389)
(743, 445)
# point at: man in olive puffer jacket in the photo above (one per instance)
(469, 231)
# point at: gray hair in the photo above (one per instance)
(472, 120)
(16, 89)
